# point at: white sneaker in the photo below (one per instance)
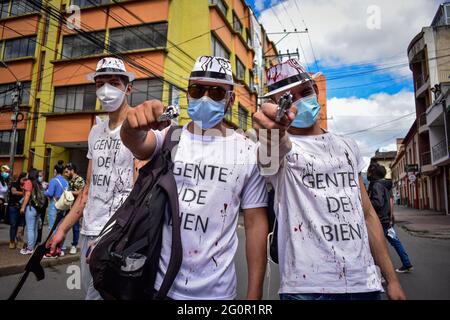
(73, 250)
(26, 251)
(61, 254)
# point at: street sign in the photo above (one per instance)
(412, 178)
(412, 168)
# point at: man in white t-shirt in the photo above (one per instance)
(111, 170)
(216, 173)
(328, 233)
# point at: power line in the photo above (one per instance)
(57, 16)
(380, 125)
(309, 38)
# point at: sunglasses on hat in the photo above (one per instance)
(216, 93)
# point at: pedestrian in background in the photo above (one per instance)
(33, 199)
(380, 194)
(16, 220)
(55, 189)
(76, 185)
(4, 187)
(42, 211)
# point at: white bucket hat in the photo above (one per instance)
(286, 75)
(110, 66)
(214, 69)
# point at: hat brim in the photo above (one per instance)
(91, 77)
(204, 79)
(290, 86)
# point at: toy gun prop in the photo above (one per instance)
(170, 113)
(284, 104)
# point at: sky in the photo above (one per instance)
(361, 47)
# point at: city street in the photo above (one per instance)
(430, 279)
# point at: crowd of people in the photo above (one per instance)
(27, 203)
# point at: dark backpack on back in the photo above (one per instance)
(125, 260)
(38, 198)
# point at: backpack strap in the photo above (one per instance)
(167, 182)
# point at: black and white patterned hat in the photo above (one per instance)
(214, 69)
(109, 66)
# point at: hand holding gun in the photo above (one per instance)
(284, 105)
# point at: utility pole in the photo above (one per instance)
(16, 100)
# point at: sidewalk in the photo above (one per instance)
(12, 262)
(423, 223)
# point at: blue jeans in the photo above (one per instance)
(397, 245)
(52, 213)
(76, 233)
(332, 296)
(32, 221)
(16, 220)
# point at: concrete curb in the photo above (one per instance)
(425, 233)
(8, 270)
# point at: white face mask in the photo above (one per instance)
(110, 97)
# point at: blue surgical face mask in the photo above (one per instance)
(205, 112)
(40, 179)
(5, 175)
(308, 110)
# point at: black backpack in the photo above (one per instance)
(38, 198)
(125, 260)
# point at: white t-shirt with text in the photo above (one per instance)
(322, 236)
(215, 177)
(111, 180)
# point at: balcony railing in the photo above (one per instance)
(425, 158)
(440, 150)
(422, 120)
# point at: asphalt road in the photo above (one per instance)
(430, 279)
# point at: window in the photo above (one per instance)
(78, 46)
(221, 5)
(41, 71)
(4, 6)
(145, 90)
(18, 7)
(6, 91)
(218, 49)
(21, 7)
(37, 107)
(252, 80)
(237, 25)
(18, 48)
(47, 25)
(249, 37)
(75, 98)
(88, 3)
(5, 142)
(139, 37)
(240, 70)
(242, 114)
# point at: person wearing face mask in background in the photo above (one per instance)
(219, 167)
(41, 211)
(5, 181)
(111, 170)
(4, 187)
(329, 235)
